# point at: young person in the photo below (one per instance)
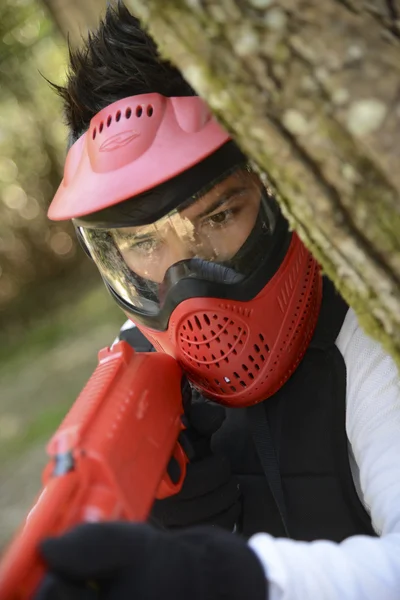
(302, 469)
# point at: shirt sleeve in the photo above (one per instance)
(361, 567)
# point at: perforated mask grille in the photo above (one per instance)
(213, 341)
(227, 351)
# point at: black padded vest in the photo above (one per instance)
(306, 418)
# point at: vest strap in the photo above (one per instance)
(262, 438)
(332, 314)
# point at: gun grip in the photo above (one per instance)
(168, 486)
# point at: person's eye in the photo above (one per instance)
(145, 246)
(220, 218)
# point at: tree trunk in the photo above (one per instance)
(74, 17)
(310, 89)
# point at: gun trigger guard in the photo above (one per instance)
(167, 487)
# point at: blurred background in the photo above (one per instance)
(54, 313)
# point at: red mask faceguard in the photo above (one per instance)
(240, 353)
(238, 303)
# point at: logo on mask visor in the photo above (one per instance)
(118, 141)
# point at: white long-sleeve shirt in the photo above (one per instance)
(361, 567)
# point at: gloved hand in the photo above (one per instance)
(127, 561)
(210, 493)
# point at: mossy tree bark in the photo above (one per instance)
(311, 91)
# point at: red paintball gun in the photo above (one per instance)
(108, 460)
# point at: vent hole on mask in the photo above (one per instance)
(205, 340)
(242, 383)
(251, 359)
(101, 127)
(245, 368)
(233, 388)
(109, 120)
(236, 375)
(215, 317)
(257, 368)
(256, 348)
(250, 375)
(262, 339)
(206, 320)
(197, 321)
(118, 116)
(217, 382)
(139, 111)
(149, 110)
(94, 133)
(190, 325)
(128, 113)
(262, 357)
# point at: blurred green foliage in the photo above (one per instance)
(84, 326)
(53, 320)
(33, 251)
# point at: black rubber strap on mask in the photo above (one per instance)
(262, 438)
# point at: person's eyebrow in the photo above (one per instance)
(136, 237)
(220, 201)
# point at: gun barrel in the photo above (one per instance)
(22, 567)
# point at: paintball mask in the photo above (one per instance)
(192, 245)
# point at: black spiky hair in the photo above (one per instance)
(116, 61)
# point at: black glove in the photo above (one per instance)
(210, 493)
(126, 561)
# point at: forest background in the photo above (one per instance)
(54, 313)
